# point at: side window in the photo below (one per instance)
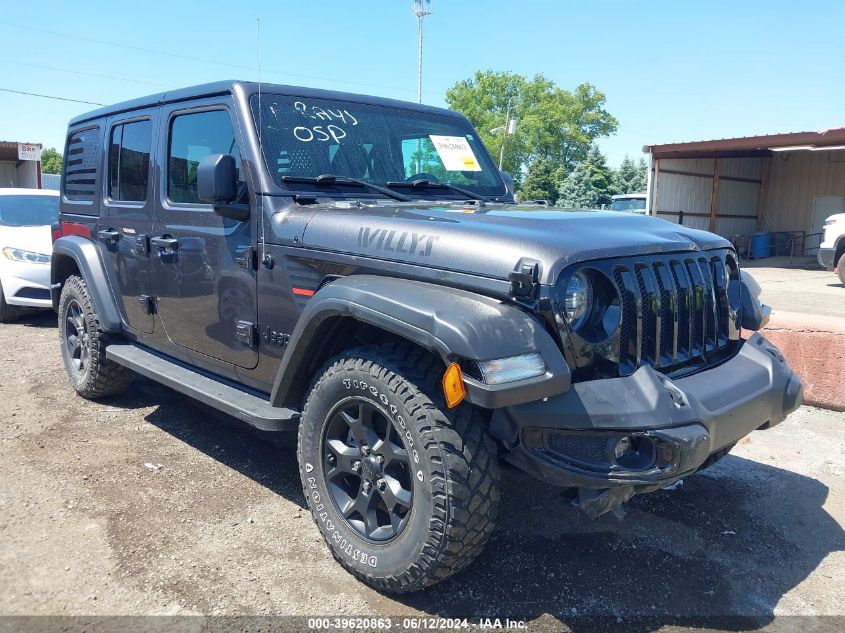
(80, 170)
(129, 161)
(193, 136)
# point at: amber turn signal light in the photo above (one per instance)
(453, 386)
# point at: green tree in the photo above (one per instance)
(576, 190)
(51, 161)
(641, 183)
(631, 177)
(552, 123)
(541, 181)
(590, 184)
(601, 175)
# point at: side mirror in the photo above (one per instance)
(217, 183)
(508, 181)
(217, 178)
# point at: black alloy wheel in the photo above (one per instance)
(368, 470)
(78, 338)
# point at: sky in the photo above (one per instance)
(671, 71)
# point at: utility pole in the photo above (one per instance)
(507, 129)
(421, 9)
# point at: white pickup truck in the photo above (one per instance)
(832, 248)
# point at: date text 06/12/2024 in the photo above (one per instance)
(414, 624)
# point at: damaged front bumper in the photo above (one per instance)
(618, 437)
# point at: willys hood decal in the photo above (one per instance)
(493, 240)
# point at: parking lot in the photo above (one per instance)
(151, 504)
(798, 285)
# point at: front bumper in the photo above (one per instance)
(27, 285)
(562, 439)
(825, 258)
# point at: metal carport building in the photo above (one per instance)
(785, 184)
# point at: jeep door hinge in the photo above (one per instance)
(148, 304)
(245, 257)
(246, 333)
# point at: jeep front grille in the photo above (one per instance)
(674, 312)
(674, 309)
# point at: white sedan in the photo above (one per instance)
(26, 218)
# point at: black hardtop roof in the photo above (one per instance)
(228, 86)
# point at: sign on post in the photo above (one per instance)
(29, 152)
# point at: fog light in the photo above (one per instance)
(622, 447)
(502, 370)
(633, 453)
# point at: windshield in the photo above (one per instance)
(28, 210)
(631, 205)
(306, 138)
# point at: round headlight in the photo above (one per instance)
(579, 294)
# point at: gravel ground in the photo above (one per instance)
(150, 504)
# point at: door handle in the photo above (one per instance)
(165, 243)
(108, 235)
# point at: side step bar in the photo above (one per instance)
(240, 404)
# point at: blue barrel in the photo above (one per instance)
(762, 245)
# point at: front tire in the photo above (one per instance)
(8, 313)
(404, 491)
(841, 269)
(84, 343)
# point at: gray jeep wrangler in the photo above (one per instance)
(356, 268)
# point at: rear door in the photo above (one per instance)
(203, 277)
(126, 216)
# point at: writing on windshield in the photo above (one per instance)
(306, 138)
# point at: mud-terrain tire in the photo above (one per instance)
(84, 343)
(8, 313)
(840, 266)
(449, 478)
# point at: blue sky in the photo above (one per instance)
(681, 70)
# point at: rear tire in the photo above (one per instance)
(84, 344)
(841, 269)
(8, 313)
(376, 414)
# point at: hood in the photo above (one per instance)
(492, 241)
(37, 239)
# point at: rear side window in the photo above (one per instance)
(192, 137)
(129, 161)
(80, 172)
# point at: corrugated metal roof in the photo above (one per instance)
(751, 145)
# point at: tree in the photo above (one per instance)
(51, 161)
(541, 181)
(590, 184)
(631, 177)
(576, 190)
(641, 183)
(552, 123)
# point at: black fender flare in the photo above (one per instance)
(454, 324)
(86, 256)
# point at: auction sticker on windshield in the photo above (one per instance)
(455, 153)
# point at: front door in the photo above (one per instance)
(126, 218)
(204, 285)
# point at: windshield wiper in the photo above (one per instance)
(425, 183)
(328, 180)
